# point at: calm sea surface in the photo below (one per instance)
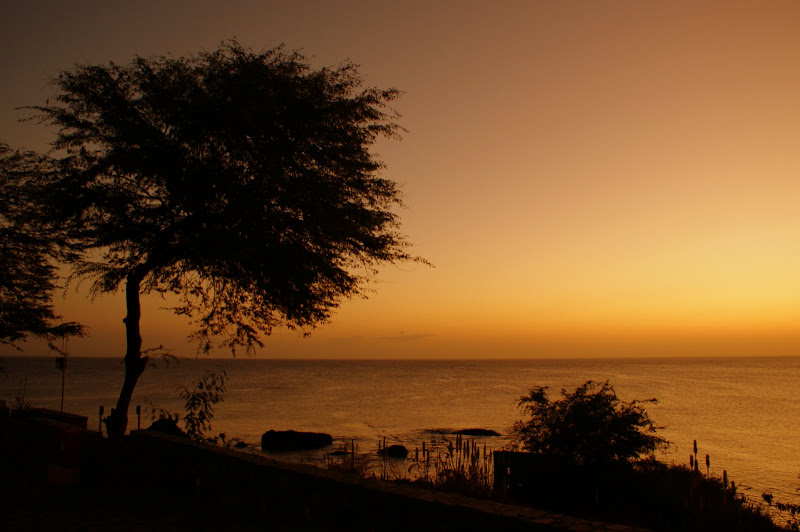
(743, 412)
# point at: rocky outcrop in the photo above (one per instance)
(394, 451)
(290, 440)
(167, 426)
(477, 432)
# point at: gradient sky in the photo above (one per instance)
(590, 178)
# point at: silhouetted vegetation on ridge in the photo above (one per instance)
(593, 455)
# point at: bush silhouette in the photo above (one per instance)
(588, 426)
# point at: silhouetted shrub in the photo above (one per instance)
(588, 426)
(198, 408)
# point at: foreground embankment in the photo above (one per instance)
(62, 476)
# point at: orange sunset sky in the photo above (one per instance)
(589, 178)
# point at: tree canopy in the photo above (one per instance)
(588, 426)
(27, 248)
(240, 181)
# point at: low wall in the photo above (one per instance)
(52, 449)
(541, 479)
(74, 420)
(312, 497)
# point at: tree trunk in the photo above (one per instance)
(117, 422)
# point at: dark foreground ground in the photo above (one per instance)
(27, 503)
(154, 482)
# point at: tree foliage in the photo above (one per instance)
(27, 247)
(241, 182)
(588, 426)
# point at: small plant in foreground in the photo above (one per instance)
(21, 405)
(459, 465)
(348, 460)
(200, 401)
(198, 407)
(788, 515)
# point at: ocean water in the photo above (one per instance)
(743, 412)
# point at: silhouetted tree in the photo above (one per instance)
(588, 426)
(27, 245)
(242, 182)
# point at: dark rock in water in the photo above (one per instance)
(394, 451)
(477, 432)
(290, 440)
(167, 426)
(240, 445)
(339, 453)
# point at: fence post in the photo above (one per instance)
(500, 474)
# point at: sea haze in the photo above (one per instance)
(743, 412)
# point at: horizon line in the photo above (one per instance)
(418, 359)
